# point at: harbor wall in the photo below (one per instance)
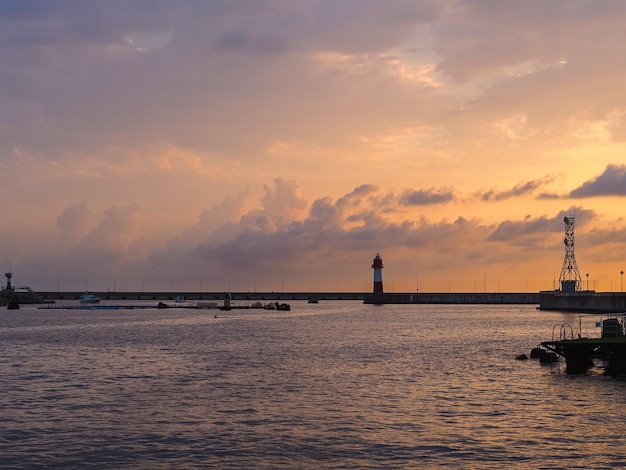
(455, 298)
(389, 298)
(583, 301)
(207, 296)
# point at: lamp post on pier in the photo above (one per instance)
(621, 273)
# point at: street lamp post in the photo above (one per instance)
(587, 280)
(621, 273)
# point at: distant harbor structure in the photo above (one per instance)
(571, 297)
(579, 352)
(377, 265)
(13, 296)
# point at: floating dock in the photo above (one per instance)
(579, 352)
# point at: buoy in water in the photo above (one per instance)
(521, 357)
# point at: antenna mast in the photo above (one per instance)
(570, 276)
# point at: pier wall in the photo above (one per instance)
(455, 298)
(583, 301)
(390, 298)
(208, 296)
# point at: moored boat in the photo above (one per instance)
(89, 298)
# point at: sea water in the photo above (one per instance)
(329, 385)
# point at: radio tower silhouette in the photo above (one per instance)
(570, 276)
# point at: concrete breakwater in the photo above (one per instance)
(583, 301)
(390, 298)
(454, 298)
(206, 296)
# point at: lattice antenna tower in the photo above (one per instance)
(570, 276)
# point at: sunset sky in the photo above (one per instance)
(278, 145)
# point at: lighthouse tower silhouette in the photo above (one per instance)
(377, 265)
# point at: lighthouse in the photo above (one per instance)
(377, 265)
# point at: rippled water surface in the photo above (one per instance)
(328, 385)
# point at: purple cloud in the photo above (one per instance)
(424, 197)
(612, 182)
(518, 190)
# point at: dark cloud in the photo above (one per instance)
(520, 189)
(266, 238)
(424, 197)
(355, 197)
(514, 231)
(337, 234)
(612, 182)
(324, 238)
(549, 196)
(537, 231)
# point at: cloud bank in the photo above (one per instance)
(197, 143)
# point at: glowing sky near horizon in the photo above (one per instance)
(280, 144)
